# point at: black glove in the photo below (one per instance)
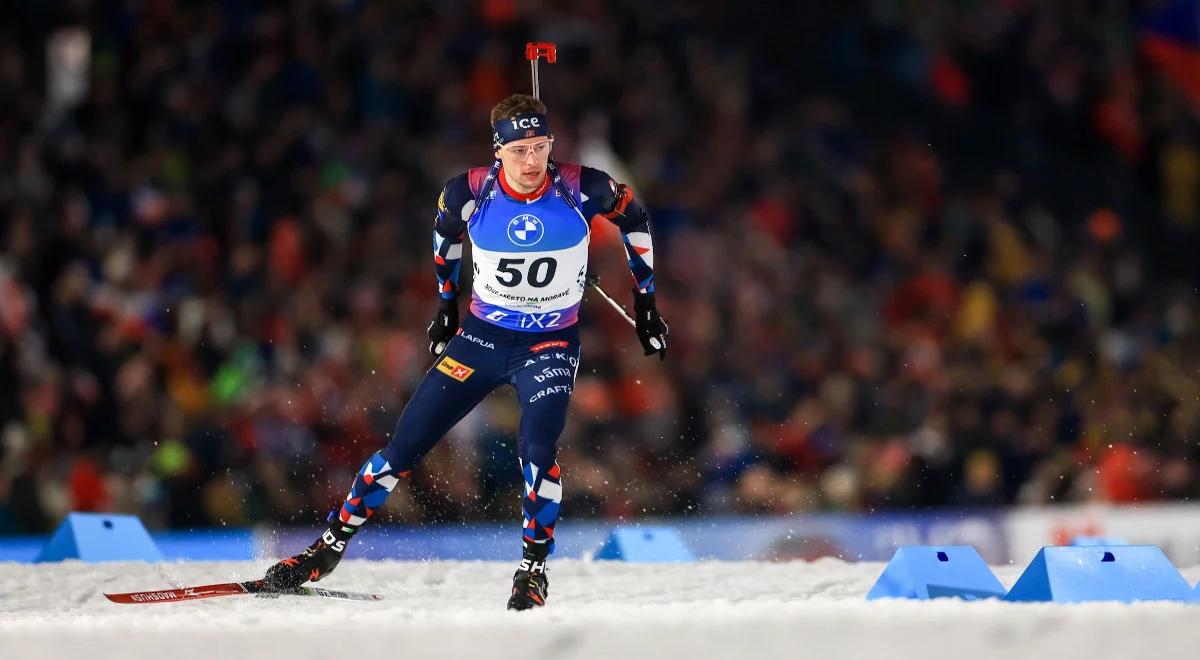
(443, 326)
(651, 328)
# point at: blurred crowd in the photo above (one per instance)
(913, 254)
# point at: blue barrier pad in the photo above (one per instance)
(93, 537)
(21, 548)
(235, 544)
(1067, 574)
(730, 538)
(924, 572)
(645, 544)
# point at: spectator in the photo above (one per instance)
(913, 258)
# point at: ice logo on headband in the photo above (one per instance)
(526, 122)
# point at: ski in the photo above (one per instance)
(253, 587)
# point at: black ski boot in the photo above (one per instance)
(530, 584)
(317, 560)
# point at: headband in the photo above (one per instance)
(524, 125)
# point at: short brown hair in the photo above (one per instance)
(515, 105)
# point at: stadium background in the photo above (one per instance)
(916, 256)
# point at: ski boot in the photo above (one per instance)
(530, 584)
(317, 560)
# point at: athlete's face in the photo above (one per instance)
(525, 161)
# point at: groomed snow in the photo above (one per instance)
(596, 610)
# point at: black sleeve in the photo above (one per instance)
(455, 197)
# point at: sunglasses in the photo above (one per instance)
(522, 151)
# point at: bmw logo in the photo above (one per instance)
(525, 230)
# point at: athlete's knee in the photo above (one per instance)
(541, 426)
(410, 441)
(538, 453)
(397, 454)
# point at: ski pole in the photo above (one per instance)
(593, 281)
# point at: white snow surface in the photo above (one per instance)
(607, 610)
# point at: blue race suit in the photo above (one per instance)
(529, 256)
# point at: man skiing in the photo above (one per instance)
(529, 221)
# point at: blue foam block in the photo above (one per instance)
(922, 572)
(1068, 574)
(645, 544)
(94, 537)
(1097, 540)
